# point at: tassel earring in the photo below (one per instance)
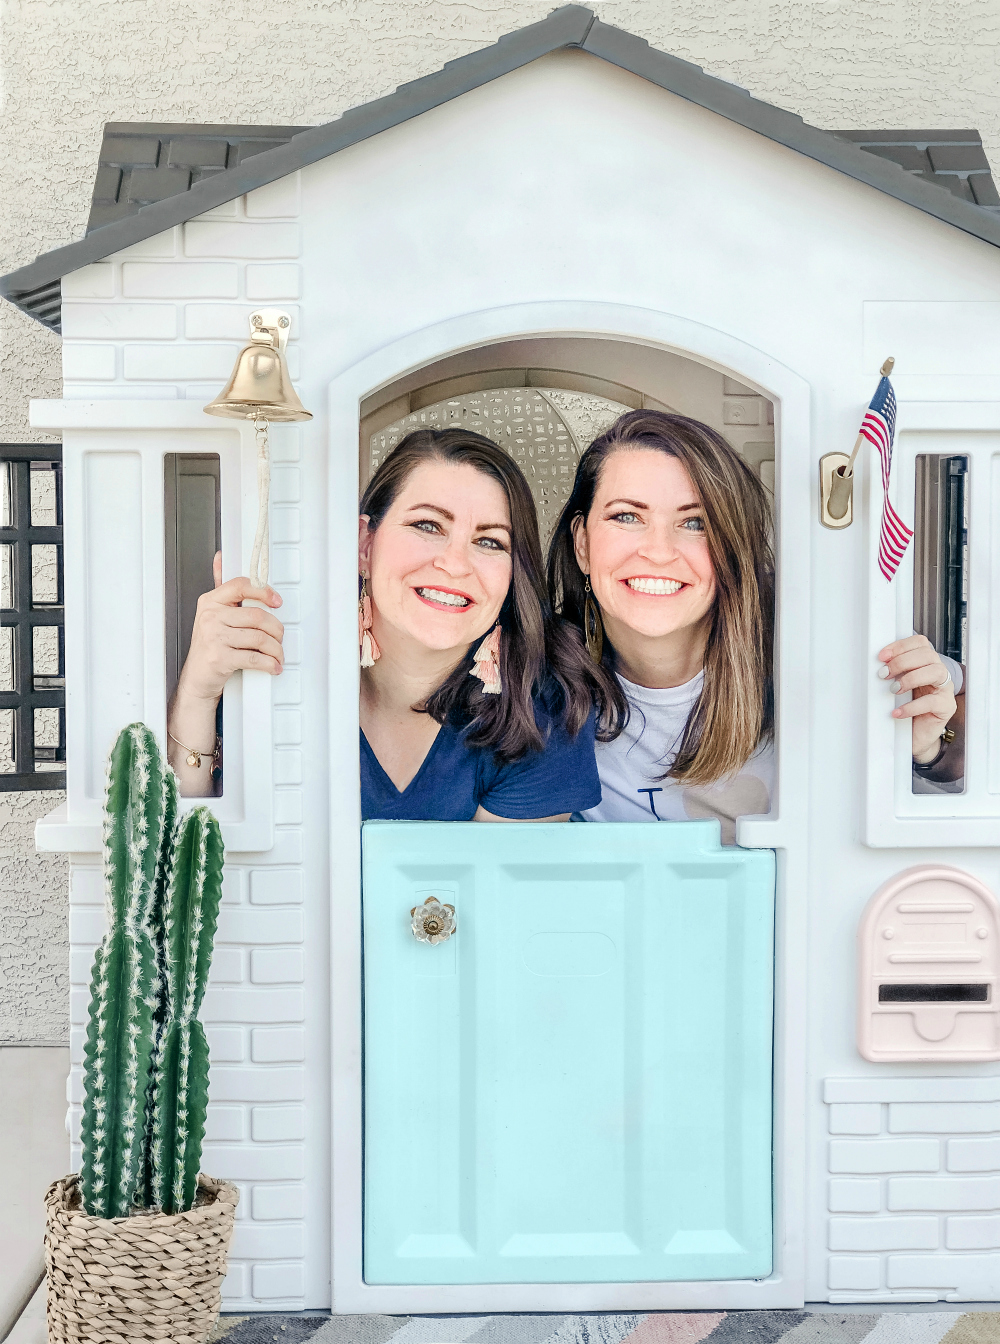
(593, 626)
(486, 662)
(370, 651)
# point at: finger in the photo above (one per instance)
(935, 675)
(899, 646)
(910, 660)
(937, 706)
(217, 569)
(913, 663)
(242, 590)
(256, 639)
(252, 660)
(234, 618)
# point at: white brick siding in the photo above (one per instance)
(172, 279)
(974, 1155)
(218, 238)
(962, 1276)
(284, 966)
(942, 1117)
(277, 1281)
(972, 1234)
(854, 1196)
(944, 1192)
(884, 1234)
(276, 886)
(277, 200)
(120, 321)
(273, 282)
(953, 1218)
(277, 1202)
(862, 1155)
(164, 320)
(187, 290)
(854, 1273)
(270, 1045)
(855, 1118)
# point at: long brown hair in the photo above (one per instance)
(735, 711)
(539, 656)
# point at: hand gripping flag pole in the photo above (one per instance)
(879, 428)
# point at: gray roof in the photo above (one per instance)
(955, 160)
(144, 162)
(140, 199)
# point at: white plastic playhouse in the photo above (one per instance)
(679, 1076)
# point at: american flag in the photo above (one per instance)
(879, 428)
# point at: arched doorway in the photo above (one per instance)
(546, 399)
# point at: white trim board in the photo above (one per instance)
(140, 433)
(895, 817)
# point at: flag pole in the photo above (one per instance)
(848, 471)
(842, 482)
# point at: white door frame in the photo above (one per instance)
(785, 830)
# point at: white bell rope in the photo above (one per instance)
(261, 541)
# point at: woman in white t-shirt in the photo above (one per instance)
(662, 557)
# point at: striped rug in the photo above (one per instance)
(702, 1327)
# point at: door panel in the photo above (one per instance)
(576, 1086)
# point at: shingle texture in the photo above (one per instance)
(954, 160)
(141, 163)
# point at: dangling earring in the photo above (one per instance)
(486, 662)
(593, 626)
(370, 651)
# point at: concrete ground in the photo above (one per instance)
(818, 1323)
(34, 1151)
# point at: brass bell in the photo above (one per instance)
(260, 387)
(260, 390)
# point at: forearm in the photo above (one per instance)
(191, 729)
(949, 765)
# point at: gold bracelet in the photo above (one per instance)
(194, 757)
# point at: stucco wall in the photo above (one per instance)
(67, 69)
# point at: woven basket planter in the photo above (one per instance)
(154, 1276)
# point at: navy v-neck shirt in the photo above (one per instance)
(455, 779)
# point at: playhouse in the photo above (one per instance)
(592, 1099)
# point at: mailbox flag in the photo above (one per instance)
(879, 428)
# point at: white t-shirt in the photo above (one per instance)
(632, 767)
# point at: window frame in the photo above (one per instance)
(894, 816)
(23, 616)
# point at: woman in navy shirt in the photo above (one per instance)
(475, 704)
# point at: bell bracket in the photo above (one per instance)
(273, 321)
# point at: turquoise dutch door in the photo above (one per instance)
(576, 1085)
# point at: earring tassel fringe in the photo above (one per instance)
(486, 663)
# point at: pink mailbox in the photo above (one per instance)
(928, 952)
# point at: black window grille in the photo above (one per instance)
(954, 561)
(32, 647)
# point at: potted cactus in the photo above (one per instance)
(136, 1243)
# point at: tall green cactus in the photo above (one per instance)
(126, 984)
(146, 1056)
(180, 1066)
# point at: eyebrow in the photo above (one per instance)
(446, 513)
(637, 504)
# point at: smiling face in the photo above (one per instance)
(645, 549)
(439, 563)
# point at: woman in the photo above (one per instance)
(475, 705)
(662, 557)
